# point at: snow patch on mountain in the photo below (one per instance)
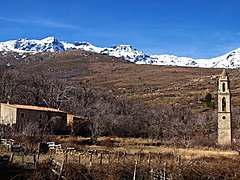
(82, 46)
(49, 44)
(126, 52)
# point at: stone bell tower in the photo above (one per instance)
(224, 110)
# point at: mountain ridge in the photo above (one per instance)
(127, 52)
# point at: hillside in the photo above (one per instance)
(180, 86)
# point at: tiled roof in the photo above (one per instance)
(37, 108)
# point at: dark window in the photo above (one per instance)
(223, 87)
(40, 116)
(22, 115)
(223, 104)
(224, 117)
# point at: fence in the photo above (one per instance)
(157, 163)
(59, 157)
(57, 168)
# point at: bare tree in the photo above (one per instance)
(9, 85)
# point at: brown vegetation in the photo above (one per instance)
(163, 166)
(118, 98)
(168, 105)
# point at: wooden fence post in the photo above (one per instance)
(79, 158)
(179, 160)
(61, 170)
(66, 158)
(164, 170)
(149, 159)
(151, 174)
(109, 157)
(118, 156)
(22, 154)
(90, 161)
(100, 159)
(36, 159)
(139, 158)
(159, 158)
(11, 159)
(124, 156)
(135, 171)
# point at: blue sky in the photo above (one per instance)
(192, 28)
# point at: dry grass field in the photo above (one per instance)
(128, 158)
(145, 146)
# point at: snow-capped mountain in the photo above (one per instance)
(229, 60)
(127, 53)
(51, 44)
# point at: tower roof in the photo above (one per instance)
(224, 74)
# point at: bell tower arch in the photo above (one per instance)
(224, 110)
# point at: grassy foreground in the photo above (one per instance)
(120, 158)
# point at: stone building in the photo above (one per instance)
(20, 116)
(224, 110)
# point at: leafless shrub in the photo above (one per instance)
(108, 142)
